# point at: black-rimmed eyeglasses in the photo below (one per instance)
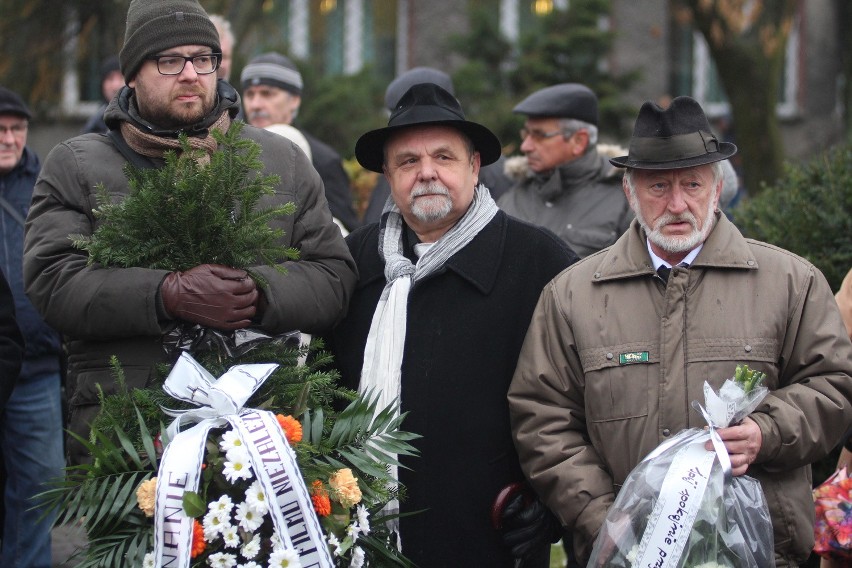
(174, 64)
(538, 135)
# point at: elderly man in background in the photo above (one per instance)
(272, 94)
(31, 425)
(227, 41)
(623, 341)
(570, 189)
(447, 285)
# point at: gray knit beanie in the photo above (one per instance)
(272, 69)
(156, 25)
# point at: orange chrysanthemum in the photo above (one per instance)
(292, 428)
(198, 542)
(319, 497)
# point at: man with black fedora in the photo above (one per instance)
(621, 343)
(567, 185)
(446, 289)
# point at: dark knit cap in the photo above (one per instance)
(11, 103)
(156, 25)
(272, 69)
(109, 65)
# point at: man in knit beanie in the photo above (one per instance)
(272, 94)
(169, 59)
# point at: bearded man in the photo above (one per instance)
(169, 59)
(622, 342)
(447, 286)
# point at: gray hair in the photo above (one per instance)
(571, 125)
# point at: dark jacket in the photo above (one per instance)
(11, 344)
(114, 311)
(581, 201)
(42, 342)
(466, 324)
(337, 188)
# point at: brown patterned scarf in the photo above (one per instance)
(154, 146)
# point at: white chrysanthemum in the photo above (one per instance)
(214, 524)
(358, 558)
(335, 543)
(222, 505)
(148, 561)
(284, 558)
(230, 440)
(231, 537)
(247, 517)
(251, 548)
(256, 498)
(251, 564)
(363, 516)
(237, 466)
(353, 530)
(222, 560)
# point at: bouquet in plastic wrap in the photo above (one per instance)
(833, 527)
(681, 507)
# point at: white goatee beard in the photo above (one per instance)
(677, 244)
(433, 208)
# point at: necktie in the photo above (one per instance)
(664, 271)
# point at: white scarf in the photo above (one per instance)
(382, 368)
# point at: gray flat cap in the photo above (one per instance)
(567, 100)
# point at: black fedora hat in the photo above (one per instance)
(672, 138)
(426, 104)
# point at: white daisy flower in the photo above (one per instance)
(231, 537)
(358, 558)
(250, 565)
(251, 548)
(222, 560)
(236, 466)
(247, 517)
(256, 498)
(230, 440)
(334, 542)
(284, 558)
(214, 523)
(353, 531)
(363, 516)
(222, 505)
(148, 561)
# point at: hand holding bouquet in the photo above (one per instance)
(681, 508)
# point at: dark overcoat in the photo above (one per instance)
(466, 324)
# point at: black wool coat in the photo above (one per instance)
(466, 324)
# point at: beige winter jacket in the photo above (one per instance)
(614, 357)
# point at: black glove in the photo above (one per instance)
(212, 295)
(525, 524)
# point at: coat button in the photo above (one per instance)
(609, 356)
(750, 263)
(666, 432)
(747, 348)
(597, 274)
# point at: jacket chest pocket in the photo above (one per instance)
(715, 359)
(620, 379)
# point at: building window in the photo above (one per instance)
(707, 88)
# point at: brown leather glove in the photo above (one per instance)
(212, 295)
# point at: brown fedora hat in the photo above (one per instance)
(426, 104)
(672, 138)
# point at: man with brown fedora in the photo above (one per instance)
(622, 342)
(447, 285)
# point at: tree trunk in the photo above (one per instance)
(747, 42)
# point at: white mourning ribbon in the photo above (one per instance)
(681, 494)
(382, 369)
(220, 402)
